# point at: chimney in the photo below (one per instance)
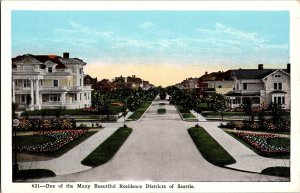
(260, 67)
(288, 67)
(66, 55)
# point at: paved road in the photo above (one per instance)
(160, 149)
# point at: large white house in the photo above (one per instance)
(49, 81)
(261, 85)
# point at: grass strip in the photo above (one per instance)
(106, 150)
(210, 149)
(161, 111)
(140, 111)
(33, 174)
(277, 171)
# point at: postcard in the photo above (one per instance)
(150, 96)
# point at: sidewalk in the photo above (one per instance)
(70, 162)
(200, 117)
(245, 158)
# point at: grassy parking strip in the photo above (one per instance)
(140, 111)
(105, 151)
(210, 149)
(161, 111)
(34, 174)
(185, 113)
(277, 171)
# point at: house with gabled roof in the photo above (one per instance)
(49, 81)
(262, 86)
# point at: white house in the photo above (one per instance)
(263, 86)
(49, 81)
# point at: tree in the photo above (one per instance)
(101, 101)
(218, 103)
(247, 107)
(276, 112)
(162, 94)
(124, 111)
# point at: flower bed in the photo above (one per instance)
(46, 124)
(267, 125)
(260, 142)
(61, 139)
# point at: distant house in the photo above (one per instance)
(49, 81)
(261, 85)
(131, 82)
(105, 85)
(220, 82)
(89, 81)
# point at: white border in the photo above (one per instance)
(292, 6)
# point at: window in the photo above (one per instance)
(256, 100)
(75, 97)
(54, 97)
(220, 86)
(80, 82)
(49, 69)
(280, 86)
(279, 100)
(237, 86)
(277, 75)
(81, 70)
(55, 83)
(16, 82)
(275, 86)
(80, 96)
(85, 96)
(23, 98)
(245, 86)
(26, 83)
(41, 83)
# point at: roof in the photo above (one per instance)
(217, 76)
(252, 73)
(53, 58)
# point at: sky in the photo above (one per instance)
(163, 47)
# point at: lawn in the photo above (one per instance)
(161, 111)
(277, 171)
(140, 111)
(185, 113)
(284, 142)
(210, 149)
(105, 151)
(33, 174)
(36, 140)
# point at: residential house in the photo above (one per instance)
(88, 80)
(49, 81)
(261, 85)
(105, 85)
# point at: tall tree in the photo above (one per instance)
(247, 107)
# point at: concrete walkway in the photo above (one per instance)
(199, 116)
(70, 162)
(160, 149)
(246, 159)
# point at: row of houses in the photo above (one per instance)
(129, 82)
(261, 85)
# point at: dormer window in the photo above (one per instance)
(50, 69)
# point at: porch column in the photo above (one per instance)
(31, 93)
(13, 91)
(37, 94)
(63, 98)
